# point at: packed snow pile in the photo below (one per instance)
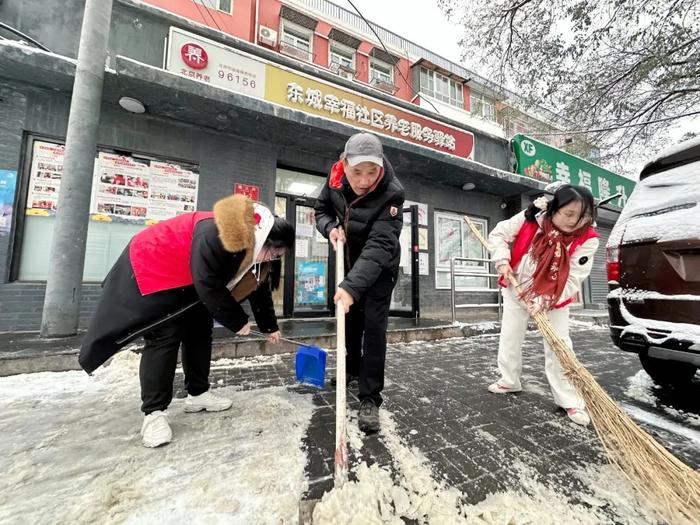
(378, 498)
(72, 453)
(641, 387)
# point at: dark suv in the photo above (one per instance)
(653, 266)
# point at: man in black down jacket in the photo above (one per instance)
(362, 204)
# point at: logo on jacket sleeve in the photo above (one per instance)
(393, 211)
(583, 260)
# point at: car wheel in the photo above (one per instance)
(668, 373)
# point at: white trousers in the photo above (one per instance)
(510, 357)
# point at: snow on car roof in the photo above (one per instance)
(663, 207)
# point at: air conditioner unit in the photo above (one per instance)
(267, 36)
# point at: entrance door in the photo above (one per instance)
(404, 299)
(305, 290)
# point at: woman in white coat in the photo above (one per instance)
(549, 247)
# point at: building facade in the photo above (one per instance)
(203, 98)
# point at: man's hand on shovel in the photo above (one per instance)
(335, 235)
(345, 298)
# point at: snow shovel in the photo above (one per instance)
(341, 420)
(340, 477)
(310, 362)
(310, 359)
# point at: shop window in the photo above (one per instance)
(454, 239)
(127, 195)
(225, 6)
(296, 41)
(442, 88)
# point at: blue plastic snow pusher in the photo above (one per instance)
(310, 362)
(311, 365)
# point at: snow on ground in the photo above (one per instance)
(376, 498)
(585, 324)
(72, 453)
(247, 362)
(642, 388)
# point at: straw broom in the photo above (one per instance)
(668, 484)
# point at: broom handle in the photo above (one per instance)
(341, 451)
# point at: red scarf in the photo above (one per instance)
(552, 258)
(338, 172)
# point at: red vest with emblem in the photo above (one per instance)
(160, 254)
(522, 243)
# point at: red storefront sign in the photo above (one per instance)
(250, 191)
(194, 55)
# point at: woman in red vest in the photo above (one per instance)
(188, 270)
(549, 248)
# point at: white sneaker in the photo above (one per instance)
(206, 401)
(578, 416)
(497, 388)
(155, 430)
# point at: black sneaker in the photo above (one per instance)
(348, 380)
(368, 417)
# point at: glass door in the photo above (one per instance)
(308, 273)
(311, 263)
(278, 295)
(405, 299)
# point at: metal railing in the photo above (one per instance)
(473, 273)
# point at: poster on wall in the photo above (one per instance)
(8, 183)
(311, 282)
(449, 240)
(173, 190)
(422, 238)
(422, 211)
(423, 264)
(124, 188)
(45, 178)
(120, 187)
(141, 191)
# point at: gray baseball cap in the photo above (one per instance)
(363, 147)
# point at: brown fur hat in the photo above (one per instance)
(235, 219)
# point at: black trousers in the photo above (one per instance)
(365, 337)
(122, 310)
(159, 359)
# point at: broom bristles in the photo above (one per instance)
(670, 486)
